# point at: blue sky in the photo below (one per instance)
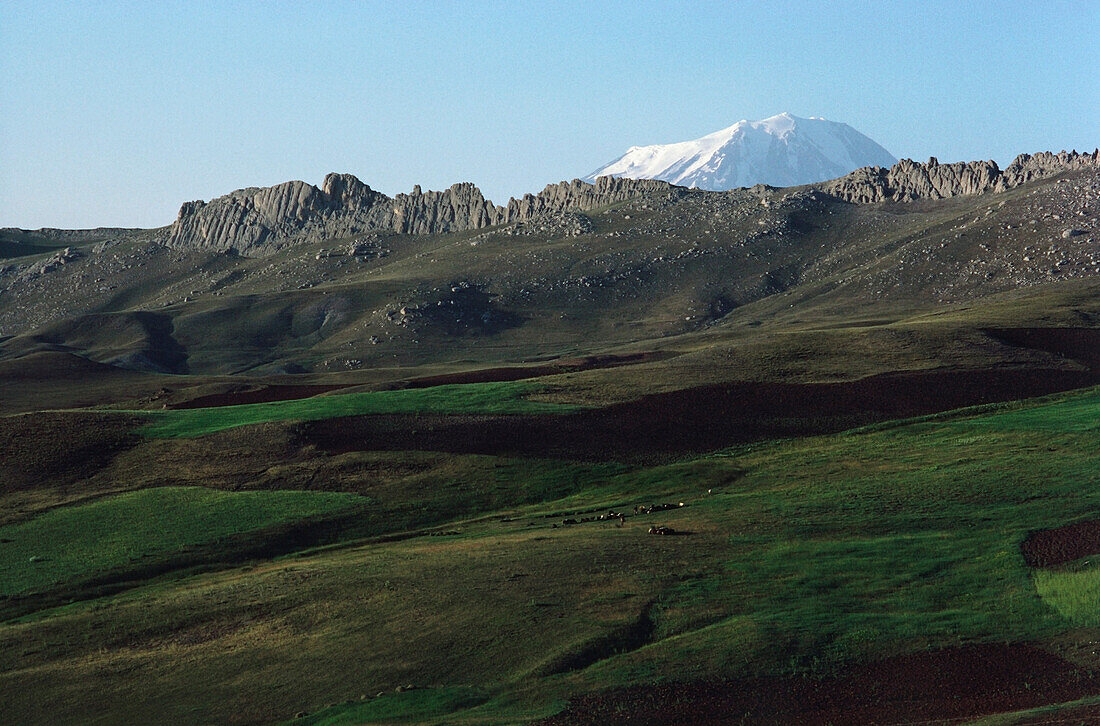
(113, 114)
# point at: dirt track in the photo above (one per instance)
(694, 420)
(954, 683)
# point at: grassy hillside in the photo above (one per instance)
(478, 398)
(853, 448)
(796, 559)
(650, 274)
(80, 542)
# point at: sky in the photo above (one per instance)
(115, 113)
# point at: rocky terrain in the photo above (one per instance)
(909, 180)
(297, 278)
(318, 423)
(263, 220)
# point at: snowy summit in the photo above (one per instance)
(781, 151)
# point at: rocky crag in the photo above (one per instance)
(909, 180)
(259, 221)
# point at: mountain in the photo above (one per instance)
(780, 151)
(402, 422)
(338, 277)
(261, 221)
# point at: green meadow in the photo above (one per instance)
(81, 541)
(795, 557)
(475, 398)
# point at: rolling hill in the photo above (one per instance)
(623, 452)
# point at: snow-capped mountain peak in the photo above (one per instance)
(783, 150)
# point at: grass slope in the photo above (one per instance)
(800, 556)
(79, 541)
(417, 706)
(1074, 592)
(488, 398)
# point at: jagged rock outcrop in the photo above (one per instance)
(263, 220)
(909, 180)
(53, 262)
(258, 221)
(1026, 167)
(459, 208)
(266, 218)
(579, 196)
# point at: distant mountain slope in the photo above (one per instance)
(261, 221)
(781, 151)
(576, 270)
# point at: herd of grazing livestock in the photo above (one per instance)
(620, 517)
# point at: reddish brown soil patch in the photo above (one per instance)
(1080, 344)
(59, 448)
(568, 365)
(1051, 547)
(694, 420)
(954, 683)
(267, 394)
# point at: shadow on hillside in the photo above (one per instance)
(695, 420)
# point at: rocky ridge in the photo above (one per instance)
(258, 221)
(909, 180)
(261, 221)
(670, 262)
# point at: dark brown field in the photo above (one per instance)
(694, 420)
(936, 686)
(172, 550)
(1052, 547)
